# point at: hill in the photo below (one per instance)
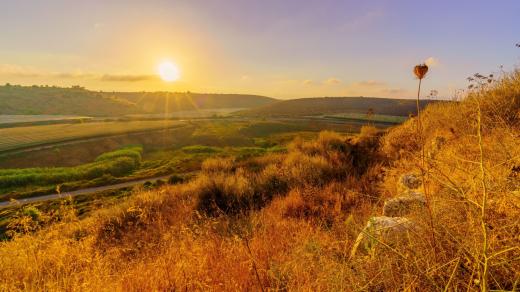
(331, 105)
(317, 216)
(44, 100)
(39, 100)
(159, 102)
(292, 220)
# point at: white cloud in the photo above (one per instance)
(370, 83)
(332, 81)
(30, 72)
(126, 78)
(432, 62)
(307, 82)
(395, 92)
(19, 71)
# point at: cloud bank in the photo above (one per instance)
(12, 70)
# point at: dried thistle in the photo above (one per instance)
(420, 70)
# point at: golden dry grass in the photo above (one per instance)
(289, 222)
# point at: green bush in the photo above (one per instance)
(116, 163)
(133, 152)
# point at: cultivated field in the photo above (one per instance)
(20, 137)
(15, 119)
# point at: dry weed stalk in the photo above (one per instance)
(485, 258)
(420, 72)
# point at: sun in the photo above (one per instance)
(168, 71)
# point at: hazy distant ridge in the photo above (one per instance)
(42, 100)
(330, 105)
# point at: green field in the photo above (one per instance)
(83, 163)
(22, 137)
(16, 119)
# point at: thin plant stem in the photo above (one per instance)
(483, 205)
(418, 96)
(254, 266)
(424, 172)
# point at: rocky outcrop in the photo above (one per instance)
(392, 226)
(410, 181)
(436, 146)
(383, 229)
(404, 205)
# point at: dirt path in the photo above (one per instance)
(80, 192)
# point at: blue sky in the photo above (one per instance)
(279, 48)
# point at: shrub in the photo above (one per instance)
(175, 179)
(218, 165)
(133, 152)
(368, 131)
(271, 182)
(301, 168)
(322, 205)
(221, 193)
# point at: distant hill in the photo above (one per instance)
(158, 102)
(44, 100)
(37, 100)
(332, 105)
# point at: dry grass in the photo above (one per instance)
(289, 222)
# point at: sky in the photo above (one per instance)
(278, 48)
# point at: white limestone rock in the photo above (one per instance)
(411, 181)
(404, 205)
(382, 229)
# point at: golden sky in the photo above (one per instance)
(283, 49)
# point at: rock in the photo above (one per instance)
(404, 205)
(381, 229)
(411, 181)
(436, 146)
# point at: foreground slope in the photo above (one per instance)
(288, 221)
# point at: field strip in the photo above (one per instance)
(78, 141)
(25, 137)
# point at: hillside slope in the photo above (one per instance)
(34, 100)
(289, 221)
(39, 100)
(331, 105)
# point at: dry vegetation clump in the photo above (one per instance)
(223, 188)
(472, 149)
(289, 221)
(222, 193)
(212, 165)
(323, 206)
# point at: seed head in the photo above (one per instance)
(420, 70)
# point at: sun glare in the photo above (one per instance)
(168, 71)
